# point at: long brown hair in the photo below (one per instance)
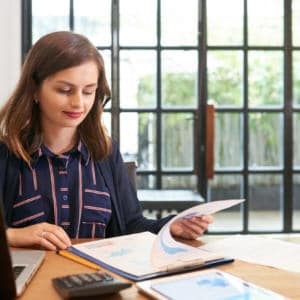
(19, 118)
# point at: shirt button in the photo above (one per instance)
(65, 197)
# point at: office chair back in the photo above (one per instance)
(131, 171)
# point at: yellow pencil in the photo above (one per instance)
(78, 259)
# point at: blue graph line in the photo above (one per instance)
(170, 249)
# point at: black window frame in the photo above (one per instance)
(287, 170)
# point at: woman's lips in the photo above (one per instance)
(73, 115)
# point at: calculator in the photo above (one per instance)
(88, 284)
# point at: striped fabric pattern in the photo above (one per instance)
(67, 190)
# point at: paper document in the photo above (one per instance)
(264, 251)
(171, 252)
(128, 252)
(145, 255)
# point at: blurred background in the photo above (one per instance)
(166, 60)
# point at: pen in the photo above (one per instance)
(78, 259)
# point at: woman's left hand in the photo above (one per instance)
(191, 228)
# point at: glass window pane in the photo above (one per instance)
(177, 137)
(179, 21)
(46, 17)
(138, 139)
(224, 187)
(265, 202)
(296, 140)
(106, 55)
(296, 22)
(265, 22)
(93, 20)
(179, 78)
(225, 22)
(228, 131)
(138, 22)
(138, 78)
(106, 119)
(225, 77)
(265, 140)
(296, 78)
(185, 182)
(265, 79)
(145, 182)
(296, 200)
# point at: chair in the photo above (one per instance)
(131, 171)
(160, 200)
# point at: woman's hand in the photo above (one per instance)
(43, 235)
(190, 228)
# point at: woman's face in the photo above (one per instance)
(66, 97)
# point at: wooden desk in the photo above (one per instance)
(285, 283)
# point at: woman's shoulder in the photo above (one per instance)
(115, 151)
(114, 147)
(6, 154)
(4, 151)
(114, 156)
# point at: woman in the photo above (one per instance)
(61, 175)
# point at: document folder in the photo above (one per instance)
(145, 255)
(134, 263)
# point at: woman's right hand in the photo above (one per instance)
(43, 235)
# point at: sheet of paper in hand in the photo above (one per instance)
(168, 253)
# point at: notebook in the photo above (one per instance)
(17, 267)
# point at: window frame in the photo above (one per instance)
(287, 170)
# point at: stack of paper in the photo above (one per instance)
(265, 251)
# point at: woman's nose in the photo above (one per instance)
(76, 100)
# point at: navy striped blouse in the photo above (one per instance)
(59, 189)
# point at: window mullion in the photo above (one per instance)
(158, 95)
(26, 27)
(202, 99)
(288, 117)
(115, 63)
(71, 15)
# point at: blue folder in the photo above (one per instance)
(202, 265)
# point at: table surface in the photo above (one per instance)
(282, 282)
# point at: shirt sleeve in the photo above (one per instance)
(9, 166)
(3, 163)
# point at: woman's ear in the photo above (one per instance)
(36, 98)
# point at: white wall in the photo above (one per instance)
(10, 47)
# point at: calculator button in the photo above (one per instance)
(86, 278)
(76, 280)
(107, 277)
(97, 277)
(66, 283)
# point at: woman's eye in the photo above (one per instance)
(64, 91)
(89, 92)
